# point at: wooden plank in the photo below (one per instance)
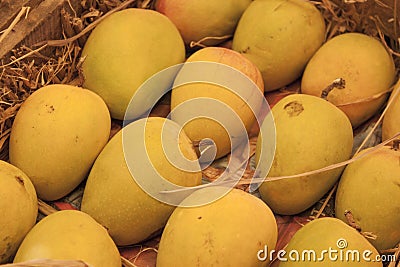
(43, 23)
(8, 10)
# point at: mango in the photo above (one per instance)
(18, 207)
(364, 64)
(194, 22)
(391, 119)
(279, 37)
(69, 235)
(329, 242)
(227, 232)
(125, 50)
(56, 136)
(113, 196)
(311, 133)
(370, 189)
(241, 103)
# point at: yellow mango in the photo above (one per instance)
(311, 133)
(279, 37)
(370, 189)
(391, 119)
(125, 50)
(228, 232)
(201, 127)
(193, 20)
(18, 208)
(69, 235)
(113, 196)
(364, 64)
(56, 136)
(329, 242)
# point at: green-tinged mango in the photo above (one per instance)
(279, 36)
(56, 136)
(113, 196)
(18, 208)
(369, 190)
(329, 242)
(69, 235)
(311, 133)
(126, 49)
(228, 232)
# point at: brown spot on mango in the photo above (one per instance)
(294, 108)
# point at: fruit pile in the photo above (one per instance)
(215, 64)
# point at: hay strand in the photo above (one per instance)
(45, 208)
(390, 102)
(200, 43)
(88, 28)
(396, 257)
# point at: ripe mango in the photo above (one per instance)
(56, 136)
(364, 64)
(125, 50)
(197, 19)
(227, 232)
(18, 208)
(391, 119)
(114, 198)
(279, 36)
(201, 127)
(370, 189)
(69, 235)
(311, 133)
(329, 242)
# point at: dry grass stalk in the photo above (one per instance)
(132, 260)
(45, 208)
(200, 43)
(89, 28)
(396, 252)
(212, 173)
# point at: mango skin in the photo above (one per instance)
(70, 235)
(56, 136)
(125, 50)
(115, 200)
(370, 189)
(363, 63)
(219, 233)
(194, 22)
(18, 207)
(311, 133)
(391, 120)
(200, 128)
(323, 234)
(271, 34)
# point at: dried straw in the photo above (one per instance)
(202, 41)
(45, 208)
(396, 256)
